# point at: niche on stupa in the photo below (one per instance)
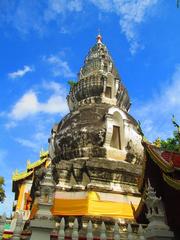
(116, 138)
(108, 92)
(110, 87)
(114, 129)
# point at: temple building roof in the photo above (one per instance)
(20, 176)
(43, 158)
(167, 161)
(31, 167)
(162, 169)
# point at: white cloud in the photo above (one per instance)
(11, 124)
(156, 115)
(59, 66)
(28, 16)
(54, 86)
(132, 13)
(39, 139)
(20, 73)
(57, 7)
(36, 141)
(29, 104)
(32, 108)
(55, 104)
(24, 16)
(27, 143)
(75, 5)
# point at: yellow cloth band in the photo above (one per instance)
(92, 206)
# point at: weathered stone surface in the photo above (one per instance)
(97, 146)
(81, 134)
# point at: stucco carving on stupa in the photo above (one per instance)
(98, 138)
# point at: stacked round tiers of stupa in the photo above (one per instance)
(96, 149)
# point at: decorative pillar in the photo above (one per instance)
(78, 168)
(157, 229)
(75, 233)
(43, 224)
(130, 235)
(109, 129)
(116, 232)
(61, 233)
(64, 169)
(89, 235)
(141, 233)
(103, 235)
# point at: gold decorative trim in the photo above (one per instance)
(43, 157)
(35, 164)
(44, 154)
(165, 166)
(174, 183)
(19, 176)
(30, 167)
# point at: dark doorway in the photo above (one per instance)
(115, 140)
(108, 92)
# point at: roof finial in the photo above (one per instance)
(99, 38)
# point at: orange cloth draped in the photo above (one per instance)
(92, 205)
(34, 210)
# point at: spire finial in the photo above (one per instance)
(99, 38)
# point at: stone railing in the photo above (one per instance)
(102, 233)
(79, 229)
(90, 232)
(76, 231)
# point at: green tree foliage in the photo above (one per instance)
(2, 192)
(172, 143)
(72, 83)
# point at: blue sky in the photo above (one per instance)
(43, 45)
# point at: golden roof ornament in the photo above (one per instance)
(15, 173)
(43, 153)
(28, 163)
